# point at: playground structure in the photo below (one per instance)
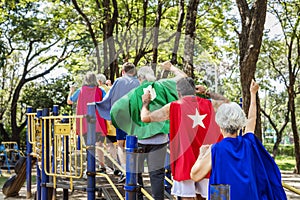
(9, 155)
(62, 159)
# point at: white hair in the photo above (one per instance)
(146, 73)
(101, 77)
(231, 117)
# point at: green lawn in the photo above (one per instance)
(286, 162)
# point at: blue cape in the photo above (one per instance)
(244, 164)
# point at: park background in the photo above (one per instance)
(46, 45)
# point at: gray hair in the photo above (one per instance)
(185, 86)
(146, 73)
(230, 117)
(90, 79)
(102, 78)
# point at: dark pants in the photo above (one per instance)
(155, 156)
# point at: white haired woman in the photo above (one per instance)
(241, 163)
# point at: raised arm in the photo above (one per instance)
(167, 65)
(216, 99)
(251, 122)
(69, 101)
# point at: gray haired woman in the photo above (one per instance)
(239, 163)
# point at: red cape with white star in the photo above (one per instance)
(192, 123)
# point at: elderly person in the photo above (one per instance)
(152, 138)
(89, 92)
(240, 162)
(120, 87)
(191, 125)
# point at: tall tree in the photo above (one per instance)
(288, 65)
(253, 18)
(189, 43)
(34, 52)
(179, 27)
(91, 32)
(156, 34)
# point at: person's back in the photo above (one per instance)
(191, 125)
(239, 164)
(89, 92)
(87, 95)
(120, 87)
(250, 170)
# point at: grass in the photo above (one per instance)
(6, 176)
(286, 163)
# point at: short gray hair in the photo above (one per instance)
(90, 79)
(185, 86)
(146, 73)
(101, 77)
(231, 117)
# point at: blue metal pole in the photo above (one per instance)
(45, 152)
(131, 167)
(39, 114)
(38, 182)
(29, 158)
(91, 162)
(54, 113)
(55, 110)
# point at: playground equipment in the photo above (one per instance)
(9, 155)
(63, 159)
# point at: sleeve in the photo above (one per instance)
(103, 93)
(75, 96)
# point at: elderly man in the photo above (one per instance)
(191, 125)
(120, 87)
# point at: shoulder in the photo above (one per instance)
(249, 136)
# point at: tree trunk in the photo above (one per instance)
(292, 95)
(92, 34)
(250, 40)
(278, 131)
(109, 43)
(4, 134)
(178, 32)
(295, 132)
(190, 37)
(174, 60)
(140, 47)
(155, 35)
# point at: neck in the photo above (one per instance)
(229, 135)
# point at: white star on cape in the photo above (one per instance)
(198, 119)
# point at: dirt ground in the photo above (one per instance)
(292, 180)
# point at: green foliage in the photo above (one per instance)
(46, 93)
(287, 163)
(283, 150)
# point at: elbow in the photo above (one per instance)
(194, 176)
(69, 102)
(145, 119)
(194, 173)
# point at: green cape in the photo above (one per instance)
(125, 113)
